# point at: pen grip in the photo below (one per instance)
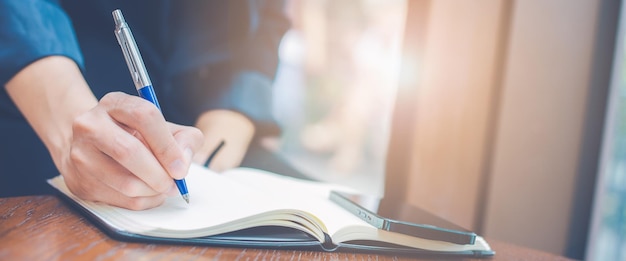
(147, 93)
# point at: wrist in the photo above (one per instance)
(51, 93)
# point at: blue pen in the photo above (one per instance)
(139, 74)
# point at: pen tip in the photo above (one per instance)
(186, 198)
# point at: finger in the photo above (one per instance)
(89, 188)
(136, 203)
(133, 132)
(109, 172)
(136, 158)
(145, 117)
(94, 190)
(101, 131)
(190, 139)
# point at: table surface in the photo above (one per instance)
(44, 228)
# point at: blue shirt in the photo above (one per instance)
(200, 55)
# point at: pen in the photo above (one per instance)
(210, 158)
(139, 74)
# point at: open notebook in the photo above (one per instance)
(246, 207)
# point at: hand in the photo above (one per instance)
(118, 151)
(233, 128)
(124, 153)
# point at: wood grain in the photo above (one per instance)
(43, 228)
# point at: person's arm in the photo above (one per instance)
(51, 93)
(233, 98)
(119, 150)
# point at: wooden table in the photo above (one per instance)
(44, 228)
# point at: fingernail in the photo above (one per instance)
(178, 169)
(188, 154)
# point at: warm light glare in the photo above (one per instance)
(335, 87)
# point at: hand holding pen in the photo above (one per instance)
(125, 154)
(118, 150)
(177, 168)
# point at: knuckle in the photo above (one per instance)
(78, 158)
(141, 203)
(82, 124)
(196, 134)
(145, 112)
(123, 150)
(166, 149)
(111, 98)
(135, 204)
(162, 186)
(75, 156)
(130, 188)
(79, 191)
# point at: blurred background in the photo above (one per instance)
(505, 117)
(335, 85)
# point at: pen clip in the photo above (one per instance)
(134, 72)
(131, 51)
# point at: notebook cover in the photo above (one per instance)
(268, 237)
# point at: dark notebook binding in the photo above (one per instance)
(268, 237)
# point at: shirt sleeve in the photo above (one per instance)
(237, 72)
(257, 61)
(250, 93)
(31, 30)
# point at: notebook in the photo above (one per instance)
(247, 207)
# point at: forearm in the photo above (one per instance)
(234, 72)
(50, 93)
(119, 150)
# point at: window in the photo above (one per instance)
(335, 86)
